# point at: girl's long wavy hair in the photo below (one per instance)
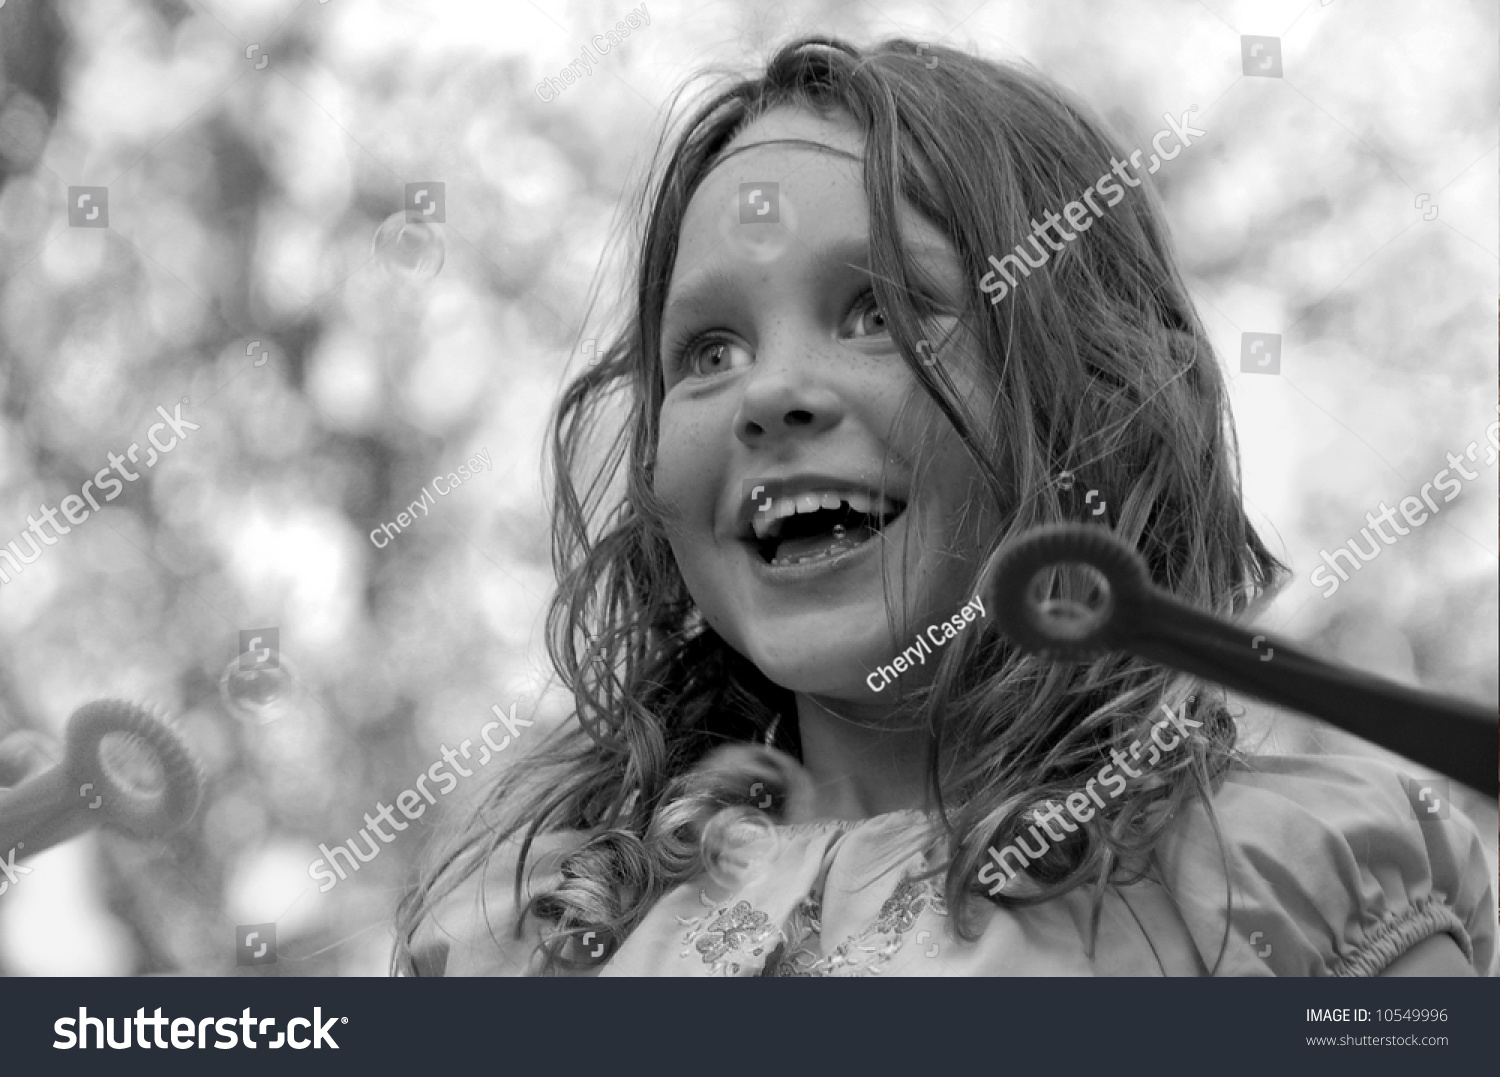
(1099, 368)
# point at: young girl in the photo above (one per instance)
(802, 747)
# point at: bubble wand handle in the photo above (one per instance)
(1455, 737)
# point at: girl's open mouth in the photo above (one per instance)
(820, 525)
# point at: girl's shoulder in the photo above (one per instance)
(1339, 866)
(473, 929)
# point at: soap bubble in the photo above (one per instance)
(409, 248)
(737, 843)
(760, 237)
(1065, 480)
(260, 696)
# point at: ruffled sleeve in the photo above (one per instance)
(1338, 868)
(471, 932)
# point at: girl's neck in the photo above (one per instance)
(858, 769)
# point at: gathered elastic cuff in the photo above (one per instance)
(1399, 932)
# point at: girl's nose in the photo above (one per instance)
(784, 404)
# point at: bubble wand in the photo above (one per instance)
(1455, 737)
(90, 788)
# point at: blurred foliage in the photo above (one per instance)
(244, 202)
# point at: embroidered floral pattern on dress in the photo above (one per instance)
(866, 953)
(804, 928)
(732, 937)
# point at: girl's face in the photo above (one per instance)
(784, 391)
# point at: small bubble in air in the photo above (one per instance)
(760, 225)
(1065, 480)
(259, 696)
(409, 249)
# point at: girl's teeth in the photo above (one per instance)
(768, 523)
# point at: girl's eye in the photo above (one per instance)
(713, 355)
(866, 318)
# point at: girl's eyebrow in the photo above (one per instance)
(708, 288)
(719, 282)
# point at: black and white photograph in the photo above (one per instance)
(961, 489)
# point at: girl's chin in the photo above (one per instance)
(817, 670)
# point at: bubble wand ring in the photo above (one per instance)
(83, 791)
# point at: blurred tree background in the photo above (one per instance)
(257, 264)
